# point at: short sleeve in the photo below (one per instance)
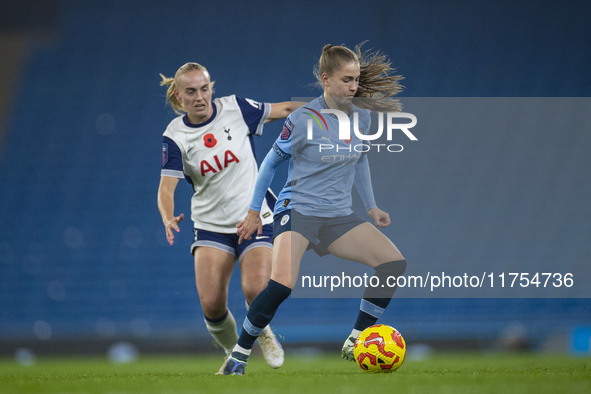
(172, 159)
(283, 142)
(254, 114)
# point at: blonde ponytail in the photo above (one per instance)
(377, 82)
(175, 103)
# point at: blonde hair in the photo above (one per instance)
(377, 84)
(175, 103)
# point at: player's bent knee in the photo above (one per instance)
(250, 292)
(379, 259)
(388, 254)
(392, 268)
(285, 280)
(213, 310)
(385, 271)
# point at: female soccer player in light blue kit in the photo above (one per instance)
(210, 144)
(313, 209)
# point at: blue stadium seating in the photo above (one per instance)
(82, 249)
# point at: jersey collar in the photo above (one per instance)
(322, 102)
(208, 121)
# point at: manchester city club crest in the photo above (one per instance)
(284, 219)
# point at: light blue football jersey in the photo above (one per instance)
(322, 167)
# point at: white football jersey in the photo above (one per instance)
(217, 158)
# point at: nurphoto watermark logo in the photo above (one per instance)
(389, 123)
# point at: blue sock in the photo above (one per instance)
(261, 312)
(376, 299)
(370, 311)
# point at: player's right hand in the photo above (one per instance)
(172, 225)
(248, 225)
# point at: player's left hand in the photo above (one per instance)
(380, 218)
(248, 225)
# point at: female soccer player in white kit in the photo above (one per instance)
(313, 209)
(210, 144)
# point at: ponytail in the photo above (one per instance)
(377, 82)
(175, 103)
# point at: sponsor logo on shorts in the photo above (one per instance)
(284, 219)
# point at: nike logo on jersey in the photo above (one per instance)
(261, 237)
(255, 104)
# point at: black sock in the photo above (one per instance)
(261, 312)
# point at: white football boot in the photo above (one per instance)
(271, 348)
(221, 371)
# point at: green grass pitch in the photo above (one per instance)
(441, 373)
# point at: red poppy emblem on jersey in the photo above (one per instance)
(209, 140)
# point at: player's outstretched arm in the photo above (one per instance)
(166, 207)
(248, 225)
(282, 110)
